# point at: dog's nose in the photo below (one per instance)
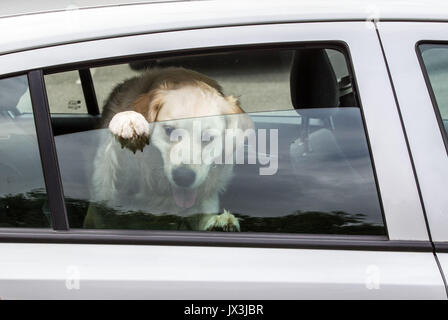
(183, 176)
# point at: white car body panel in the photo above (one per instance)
(443, 261)
(29, 31)
(425, 137)
(64, 271)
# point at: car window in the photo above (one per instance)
(23, 200)
(265, 140)
(435, 59)
(65, 93)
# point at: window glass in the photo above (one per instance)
(281, 148)
(23, 201)
(106, 78)
(435, 58)
(65, 93)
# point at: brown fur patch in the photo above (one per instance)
(135, 94)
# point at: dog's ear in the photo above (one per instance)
(149, 105)
(237, 118)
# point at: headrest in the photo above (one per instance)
(313, 83)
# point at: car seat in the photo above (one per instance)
(315, 95)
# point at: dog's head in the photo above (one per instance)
(189, 122)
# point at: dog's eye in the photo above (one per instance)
(168, 130)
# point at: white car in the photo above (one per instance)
(352, 98)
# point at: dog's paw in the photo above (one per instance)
(223, 222)
(131, 129)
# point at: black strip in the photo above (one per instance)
(403, 128)
(88, 89)
(212, 239)
(441, 247)
(47, 149)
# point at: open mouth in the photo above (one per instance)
(185, 198)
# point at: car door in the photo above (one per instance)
(324, 252)
(418, 64)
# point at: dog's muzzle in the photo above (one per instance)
(184, 178)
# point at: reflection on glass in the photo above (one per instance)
(65, 93)
(326, 188)
(23, 201)
(435, 58)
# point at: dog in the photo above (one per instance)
(142, 114)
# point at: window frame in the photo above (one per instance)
(211, 238)
(47, 150)
(91, 99)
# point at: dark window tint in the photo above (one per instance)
(435, 58)
(302, 165)
(23, 201)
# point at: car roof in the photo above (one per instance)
(52, 22)
(411, 8)
(22, 7)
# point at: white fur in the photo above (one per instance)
(225, 221)
(129, 124)
(104, 175)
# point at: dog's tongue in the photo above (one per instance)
(185, 198)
